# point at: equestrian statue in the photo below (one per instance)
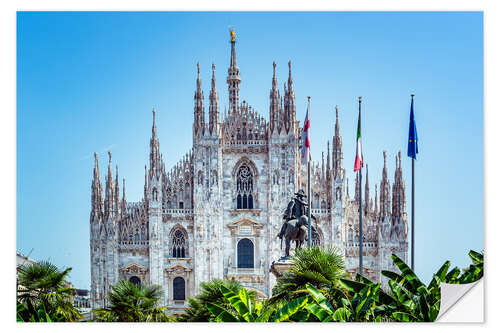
(295, 223)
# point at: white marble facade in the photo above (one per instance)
(217, 212)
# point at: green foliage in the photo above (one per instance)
(330, 297)
(43, 294)
(210, 292)
(320, 267)
(133, 303)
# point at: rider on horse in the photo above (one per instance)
(295, 217)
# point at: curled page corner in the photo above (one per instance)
(462, 303)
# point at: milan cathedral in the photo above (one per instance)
(217, 212)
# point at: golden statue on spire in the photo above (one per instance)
(233, 35)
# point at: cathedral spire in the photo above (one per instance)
(154, 148)
(367, 193)
(117, 194)
(124, 200)
(337, 154)
(398, 190)
(233, 77)
(274, 101)
(384, 190)
(199, 112)
(290, 80)
(328, 162)
(357, 188)
(145, 182)
(323, 178)
(290, 98)
(97, 202)
(214, 106)
(108, 201)
(375, 209)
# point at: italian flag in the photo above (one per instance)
(358, 163)
(306, 142)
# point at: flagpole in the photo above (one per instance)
(413, 214)
(412, 209)
(360, 212)
(309, 231)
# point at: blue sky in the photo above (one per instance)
(88, 81)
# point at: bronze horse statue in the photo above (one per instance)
(295, 223)
(295, 230)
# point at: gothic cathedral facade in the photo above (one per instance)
(216, 214)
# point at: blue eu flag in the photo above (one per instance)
(412, 135)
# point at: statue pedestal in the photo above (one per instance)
(280, 266)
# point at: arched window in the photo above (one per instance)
(179, 289)
(323, 204)
(135, 280)
(244, 188)
(290, 177)
(178, 243)
(316, 201)
(245, 253)
(350, 235)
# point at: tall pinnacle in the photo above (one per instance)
(367, 193)
(124, 198)
(213, 113)
(154, 146)
(289, 102)
(274, 102)
(337, 154)
(108, 202)
(275, 82)
(97, 201)
(117, 193)
(384, 190)
(398, 190)
(154, 124)
(328, 163)
(199, 112)
(198, 79)
(233, 77)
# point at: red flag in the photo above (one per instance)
(306, 143)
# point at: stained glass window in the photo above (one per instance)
(244, 188)
(178, 242)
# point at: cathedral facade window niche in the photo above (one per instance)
(179, 287)
(245, 253)
(200, 177)
(245, 194)
(135, 280)
(178, 243)
(276, 178)
(316, 201)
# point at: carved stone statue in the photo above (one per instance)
(295, 223)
